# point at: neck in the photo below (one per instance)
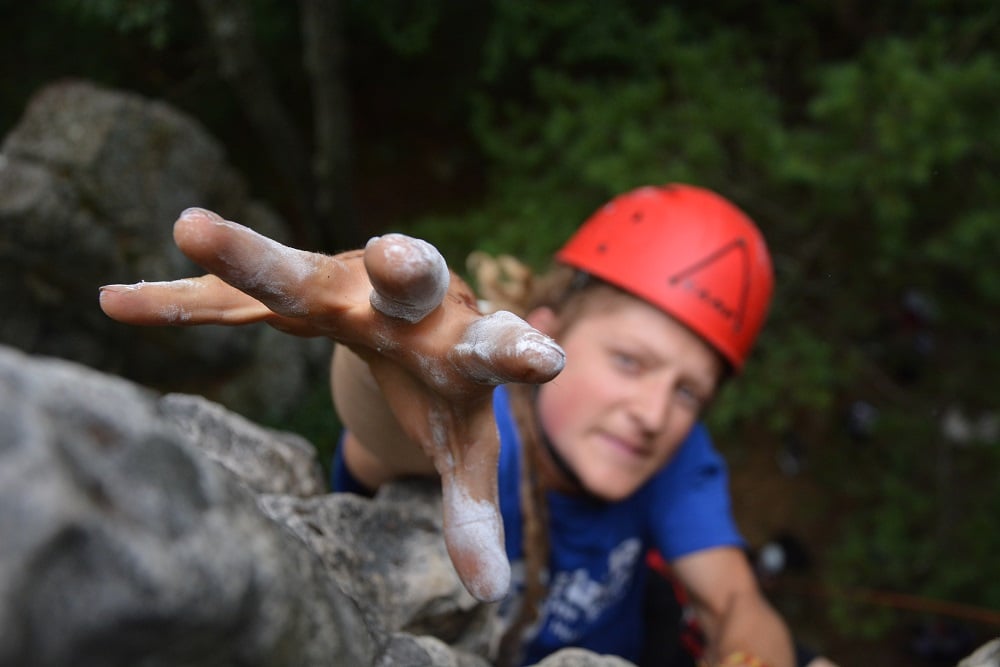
(556, 473)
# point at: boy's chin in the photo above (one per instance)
(612, 490)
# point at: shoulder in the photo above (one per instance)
(691, 500)
(696, 459)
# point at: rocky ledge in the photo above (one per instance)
(140, 528)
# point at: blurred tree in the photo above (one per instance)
(311, 168)
(231, 28)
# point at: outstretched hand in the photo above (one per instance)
(395, 304)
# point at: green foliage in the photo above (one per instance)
(314, 419)
(920, 521)
(791, 357)
(406, 27)
(148, 17)
(871, 164)
(574, 109)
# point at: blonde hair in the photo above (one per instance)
(507, 284)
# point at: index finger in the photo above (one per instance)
(290, 282)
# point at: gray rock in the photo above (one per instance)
(987, 655)
(140, 529)
(91, 181)
(124, 545)
(265, 460)
(575, 657)
(424, 651)
(388, 554)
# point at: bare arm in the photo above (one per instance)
(434, 357)
(376, 447)
(731, 608)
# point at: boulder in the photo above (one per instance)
(987, 655)
(165, 530)
(123, 544)
(91, 181)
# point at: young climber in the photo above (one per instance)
(651, 306)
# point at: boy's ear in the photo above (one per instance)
(544, 319)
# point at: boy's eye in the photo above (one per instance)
(626, 362)
(691, 396)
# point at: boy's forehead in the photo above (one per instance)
(604, 300)
(604, 297)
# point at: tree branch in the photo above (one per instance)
(230, 25)
(323, 56)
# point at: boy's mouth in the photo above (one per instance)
(628, 446)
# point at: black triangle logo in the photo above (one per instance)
(730, 305)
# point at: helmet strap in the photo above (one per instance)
(561, 463)
(557, 459)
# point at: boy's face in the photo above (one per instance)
(634, 383)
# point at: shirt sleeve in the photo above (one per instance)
(342, 479)
(691, 508)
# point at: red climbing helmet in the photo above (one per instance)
(687, 251)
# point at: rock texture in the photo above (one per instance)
(91, 181)
(123, 545)
(146, 529)
(987, 655)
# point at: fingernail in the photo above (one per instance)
(192, 211)
(549, 350)
(118, 288)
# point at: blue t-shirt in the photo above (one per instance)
(597, 573)
(596, 570)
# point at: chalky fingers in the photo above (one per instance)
(409, 276)
(185, 302)
(501, 347)
(292, 283)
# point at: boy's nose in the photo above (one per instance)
(651, 406)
